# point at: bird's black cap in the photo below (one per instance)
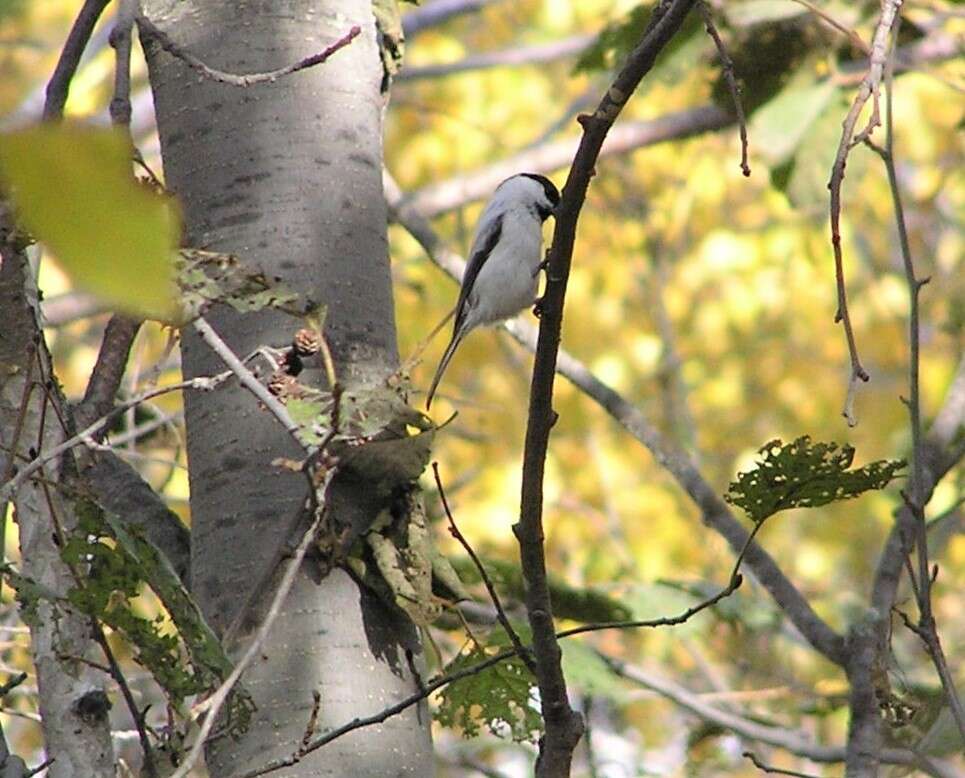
(552, 193)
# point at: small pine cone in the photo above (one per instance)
(306, 342)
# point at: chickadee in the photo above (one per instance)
(507, 250)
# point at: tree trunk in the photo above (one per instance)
(287, 175)
(72, 699)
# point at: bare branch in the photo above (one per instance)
(521, 650)
(869, 89)
(563, 726)
(774, 770)
(794, 741)
(436, 12)
(927, 629)
(59, 85)
(108, 371)
(150, 31)
(727, 65)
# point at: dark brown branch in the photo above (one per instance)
(120, 40)
(869, 89)
(59, 85)
(564, 726)
(727, 65)
(150, 31)
(108, 371)
(715, 512)
(523, 652)
(775, 770)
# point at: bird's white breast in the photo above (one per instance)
(507, 282)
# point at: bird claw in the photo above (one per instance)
(538, 307)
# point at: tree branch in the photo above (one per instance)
(868, 89)
(59, 85)
(436, 12)
(150, 31)
(564, 726)
(794, 741)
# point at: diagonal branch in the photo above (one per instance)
(59, 85)
(563, 726)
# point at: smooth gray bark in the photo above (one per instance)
(72, 700)
(287, 175)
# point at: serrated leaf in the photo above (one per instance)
(500, 698)
(75, 191)
(119, 561)
(803, 474)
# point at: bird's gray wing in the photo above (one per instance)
(482, 247)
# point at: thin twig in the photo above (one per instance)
(244, 375)
(869, 89)
(59, 85)
(150, 766)
(794, 741)
(105, 378)
(927, 629)
(150, 31)
(776, 770)
(204, 383)
(120, 40)
(511, 633)
(727, 65)
(213, 704)
(849, 32)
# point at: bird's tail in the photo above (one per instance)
(443, 364)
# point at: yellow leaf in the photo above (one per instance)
(74, 190)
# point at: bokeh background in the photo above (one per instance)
(704, 297)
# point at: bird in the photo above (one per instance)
(505, 259)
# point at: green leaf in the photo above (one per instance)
(753, 12)
(779, 126)
(803, 474)
(119, 561)
(583, 604)
(586, 671)
(501, 698)
(75, 191)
